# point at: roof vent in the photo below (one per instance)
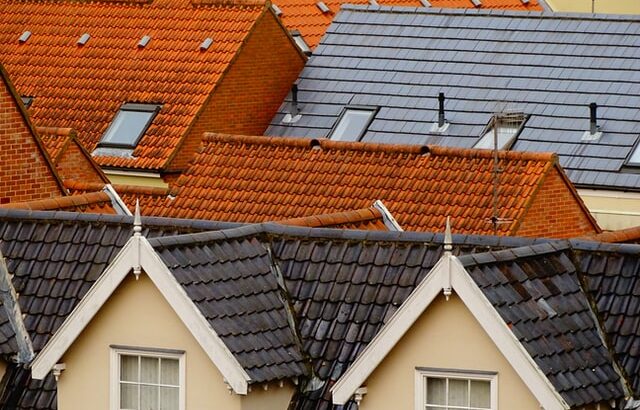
(373, 2)
(83, 39)
(476, 3)
(24, 37)
(302, 45)
(525, 1)
(294, 111)
(276, 9)
(206, 43)
(315, 144)
(594, 132)
(323, 7)
(425, 3)
(425, 150)
(144, 41)
(442, 124)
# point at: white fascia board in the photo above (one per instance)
(193, 319)
(388, 219)
(117, 202)
(504, 339)
(80, 317)
(389, 335)
(163, 279)
(449, 272)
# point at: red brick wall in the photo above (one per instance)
(24, 173)
(74, 165)
(252, 90)
(555, 212)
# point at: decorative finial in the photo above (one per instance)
(448, 242)
(137, 233)
(137, 221)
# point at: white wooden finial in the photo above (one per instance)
(137, 220)
(448, 242)
(137, 233)
(448, 247)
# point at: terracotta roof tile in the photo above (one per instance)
(306, 17)
(93, 202)
(368, 219)
(257, 179)
(628, 235)
(84, 86)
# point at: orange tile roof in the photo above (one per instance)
(368, 219)
(628, 235)
(84, 86)
(148, 196)
(306, 17)
(257, 179)
(93, 202)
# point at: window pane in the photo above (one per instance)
(149, 397)
(504, 136)
(351, 126)
(127, 127)
(149, 370)
(436, 390)
(635, 156)
(480, 394)
(128, 396)
(458, 392)
(169, 371)
(129, 368)
(169, 398)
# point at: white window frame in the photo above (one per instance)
(114, 379)
(422, 372)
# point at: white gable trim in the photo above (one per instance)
(449, 273)
(163, 279)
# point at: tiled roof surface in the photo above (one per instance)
(537, 292)
(84, 86)
(549, 66)
(628, 235)
(311, 22)
(93, 202)
(234, 288)
(368, 219)
(256, 179)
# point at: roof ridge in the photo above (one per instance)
(62, 202)
(491, 12)
(140, 189)
(323, 143)
(334, 218)
(506, 255)
(230, 3)
(56, 131)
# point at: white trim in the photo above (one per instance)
(388, 219)
(420, 374)
(116, 201)
(132, 173)
(163, 279)
(114, 370)
(449, 268)
(605, 193)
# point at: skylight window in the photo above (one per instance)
(634, 159)
(353, 123)
(129, 125)
(302, 45)
(503, 126)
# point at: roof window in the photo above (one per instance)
(129, 125)
(501, 131)
(323, 7)
(26, 101)
(302, 45)
(83, 39)
(353, 123)
(634, 159)
(24, 37)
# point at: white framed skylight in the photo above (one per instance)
(634, 158)
(353, 123)
(129, 125)
(505, 127)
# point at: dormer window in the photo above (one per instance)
(505, 127)
(129, 125)
(353, 123)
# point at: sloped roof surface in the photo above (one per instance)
(549, 66)
(311, 22)
(83, 87)
(93, 202)
(234, 288)
(257, 179)
(537, 292)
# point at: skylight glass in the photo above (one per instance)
(352, 124)
(635, 156)
(129, 125)
(507, 125)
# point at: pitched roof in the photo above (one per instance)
(484, 62)
(93, 202)
(256, 179)
(27, 171)
(84, 86)
(306, 17)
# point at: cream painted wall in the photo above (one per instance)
(613, 209)
(600, 6)
(138, 180)
(137, 315)
(446, 336)
(3, 368)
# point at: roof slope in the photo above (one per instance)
(311, 22)
(549, 66)
(83, 87)
(256, 179)
(93, 202)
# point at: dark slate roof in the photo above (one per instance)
(537, 292)
(8, 343)
(549, 66)
(233, 285)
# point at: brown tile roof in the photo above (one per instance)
(84, 86)
(628, 235)
(367, 219)
(306, 17)
(257, 179)
(93, 202)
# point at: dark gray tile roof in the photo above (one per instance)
(537, 292)
(549, 66)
